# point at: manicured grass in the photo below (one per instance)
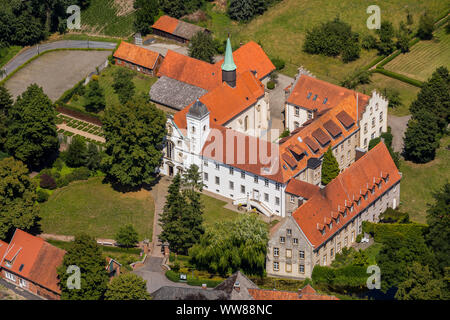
(407, 92)
(105, 17)
(214, 211)
(7, 54)
(420, 180)
(142, 83)
(424, 57)
(372, 252)
(95, 208)
(281, 30)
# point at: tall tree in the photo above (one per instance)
(32, 136)
(127, 286)
(123, 84)
(438, 220)
(18, 197)
(87, 255)
(134, 140)
(94, 157)
(202, 47)
(77, 152)
(146, 11)
(95, 97)
(330, 167)
(6, 103)
(421, 141)
(240, 244)
(426, 27)
(127, 236)
(386, 33)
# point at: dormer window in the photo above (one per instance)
(344, 213)
(373, 190)
(337, 220)
(359, 202)
(351, 208)
(322, 231)
(365, 196)
(330, 225)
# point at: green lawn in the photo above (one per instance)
(107, 17)
(141, 81)
(214, 211)
(95, 208)
(408, 93)
(281, 30)
(420, 180)
(7, 54)
(424, 57)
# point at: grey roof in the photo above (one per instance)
(174, 93)
(184, 293)
(186, 30)
(244, 283)
(198, 110)
(313, 163)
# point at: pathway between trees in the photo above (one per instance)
(398, 127)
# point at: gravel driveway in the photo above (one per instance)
(398, 127)
(56, 72)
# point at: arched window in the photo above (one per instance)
(170, 149)
(246, 123)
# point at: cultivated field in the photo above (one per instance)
(420, 180)
(95, 208)
(56, 72)
(424, 57)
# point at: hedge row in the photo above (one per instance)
(400, 77)
(382, 232)
(374, 62)
(82, 115)
(346, 279)
(175, 277)
(390, 58)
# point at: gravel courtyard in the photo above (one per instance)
(57, 71)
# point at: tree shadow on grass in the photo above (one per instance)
(125, 189)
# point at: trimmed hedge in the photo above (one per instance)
(400, 77)
(175, 277)
(346, 279)
(383, 232)
(77, 113)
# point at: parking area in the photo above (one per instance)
(57, 71)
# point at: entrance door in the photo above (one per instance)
(170, 171)
(255, 194)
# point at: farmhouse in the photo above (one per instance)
(137, 58)
(332, 218)
(175, 29)
(30, 263)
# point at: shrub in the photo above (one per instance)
(62, 182)
(270, 85)
(173, 276)
(358, 238)
(278, 63)
(369, 42)
(42, 195)
(58, 165)
(81, 173)
(394, 216)
(176, 267)
(47, 182)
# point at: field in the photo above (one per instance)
(142, 83)
(214, 211)
(407, 92)
(424, 57)
(281, 30)
(108, 17)
(95, 208)
(7, 54)
(420, 180)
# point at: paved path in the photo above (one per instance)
(31, 52)
(398, 127)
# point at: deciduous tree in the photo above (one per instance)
(202, 47)
(127, 236)
(77, 152)
(123, 85)
(95, 97)
(145, 15)
(127, 286)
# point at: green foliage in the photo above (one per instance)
(32, 136)
(6, 103)
(47, 182)
(421, 140)
(245, 10)
(393, 96)
(127, 236)
(17, 198)
(94, 157)
(333, 38)
(359, 237)
(356, 78)
(42, 196)
(134, 140)
(369, 42)
(426, 27)
(330, 167)
(94, 97)
(229, 246)
(386, 34)
(87, 255)
(127, 286)
(146, 11)
(285, 133)
(270, 85)
(350, 278)
(182, 217)
(179, 8)
(438, 219)
(77, 152)
(278, 63)
(123, 85)
(202, 47)
(383, 232)
(394, 216)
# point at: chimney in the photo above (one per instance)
(237, 286)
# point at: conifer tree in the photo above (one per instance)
(5, 105)
(77, 152)
(330, 167)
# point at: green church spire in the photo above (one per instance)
(228, 64)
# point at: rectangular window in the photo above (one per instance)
(10, 276)
(231, 185)
(276, 252)
(217, 166)
(277, 186)
(295, 240)
(324, 260)
(301, 268)
(331, 253)
(23, 283)
(266, 197)
(205, 163)
(205, 176)
(345, 241)
(277, 201)
(297, 111)
(289, 232)
(276, 266)
(217, 180)
(282, 239)
(301, 254)
(288, 267)
(310, 114)
(231, 171)
(255, 179)
(339, 247)
(288, 253)
(242, 189)
(242, 174)
(266, 182)
(292, 199)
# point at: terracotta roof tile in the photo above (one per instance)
(137, 55)
(302, 189)
(340, 191)
(166, 23)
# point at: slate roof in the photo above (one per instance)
(174, 93)
(244, 285)
(198, 110)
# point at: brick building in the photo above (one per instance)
(175, 29)
(138, 58)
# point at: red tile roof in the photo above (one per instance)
(34, 259)
(3, 246)
(332, 128)
(307, 293)
(302, 189)
(307, 88)
(166, 24)
(225, 102)
(344, 191)
(208, 76)
(137, 55)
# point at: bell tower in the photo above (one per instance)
(228, 66)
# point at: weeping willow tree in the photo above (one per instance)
(230, 246)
